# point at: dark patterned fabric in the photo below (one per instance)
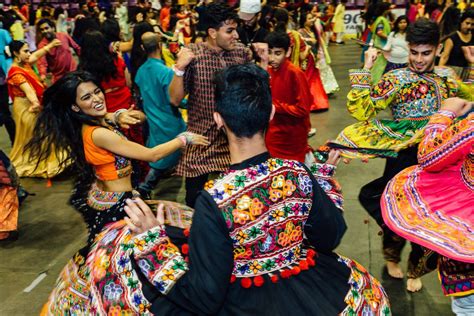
(199, 84)
(457, 278)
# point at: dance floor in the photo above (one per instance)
(51, 231)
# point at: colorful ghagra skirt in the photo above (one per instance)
(379, 138)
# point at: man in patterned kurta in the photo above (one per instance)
(413, 95)
(194, 74)
(262, 233)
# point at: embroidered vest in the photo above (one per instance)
(265, 208)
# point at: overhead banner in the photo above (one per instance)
(352, 19)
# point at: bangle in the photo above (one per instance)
(182, 138)
(178, 73)
(117, 114)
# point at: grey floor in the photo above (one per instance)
(51, 231)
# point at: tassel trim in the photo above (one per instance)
(287, 273)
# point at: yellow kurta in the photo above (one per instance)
(339, 19)
(412, 98)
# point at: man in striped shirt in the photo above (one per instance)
(194, 75)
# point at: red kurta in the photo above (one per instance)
(59, 60)
(287, 135)
(117, 94)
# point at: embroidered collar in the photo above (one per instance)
(253, 161)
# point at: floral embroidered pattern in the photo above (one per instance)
(444, 141)
(163, 263)
(417, 95)
(412, 98)
(324, 174)
(112, 276)
(366, 295)
(265, 207)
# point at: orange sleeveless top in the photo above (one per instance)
(107, 166)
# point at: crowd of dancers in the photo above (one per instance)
(221, 94)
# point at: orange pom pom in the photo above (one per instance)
(304, 265)
(258, 281)
(246, 283)
(285, 274)
(186, 232)
(274, 278)
(185, 249)
(233, 278)
(295, 270)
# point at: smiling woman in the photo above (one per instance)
(75, 121)
(90, 100)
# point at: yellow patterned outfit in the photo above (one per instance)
(412, 98)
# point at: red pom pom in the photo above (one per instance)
(185, 249)
(246, 283)
(295, 270)
(233, 278)
(186, 232)
(311, 262)
(258, 281)
(304, 265)
(186, 259)
(274, 278)
(285, 274)
(310, 253)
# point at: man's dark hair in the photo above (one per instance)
(244, 99)
(423, 31)
(48, 21)
(215, 15)
(278, 39)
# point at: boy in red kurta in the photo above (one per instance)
(287, 135)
